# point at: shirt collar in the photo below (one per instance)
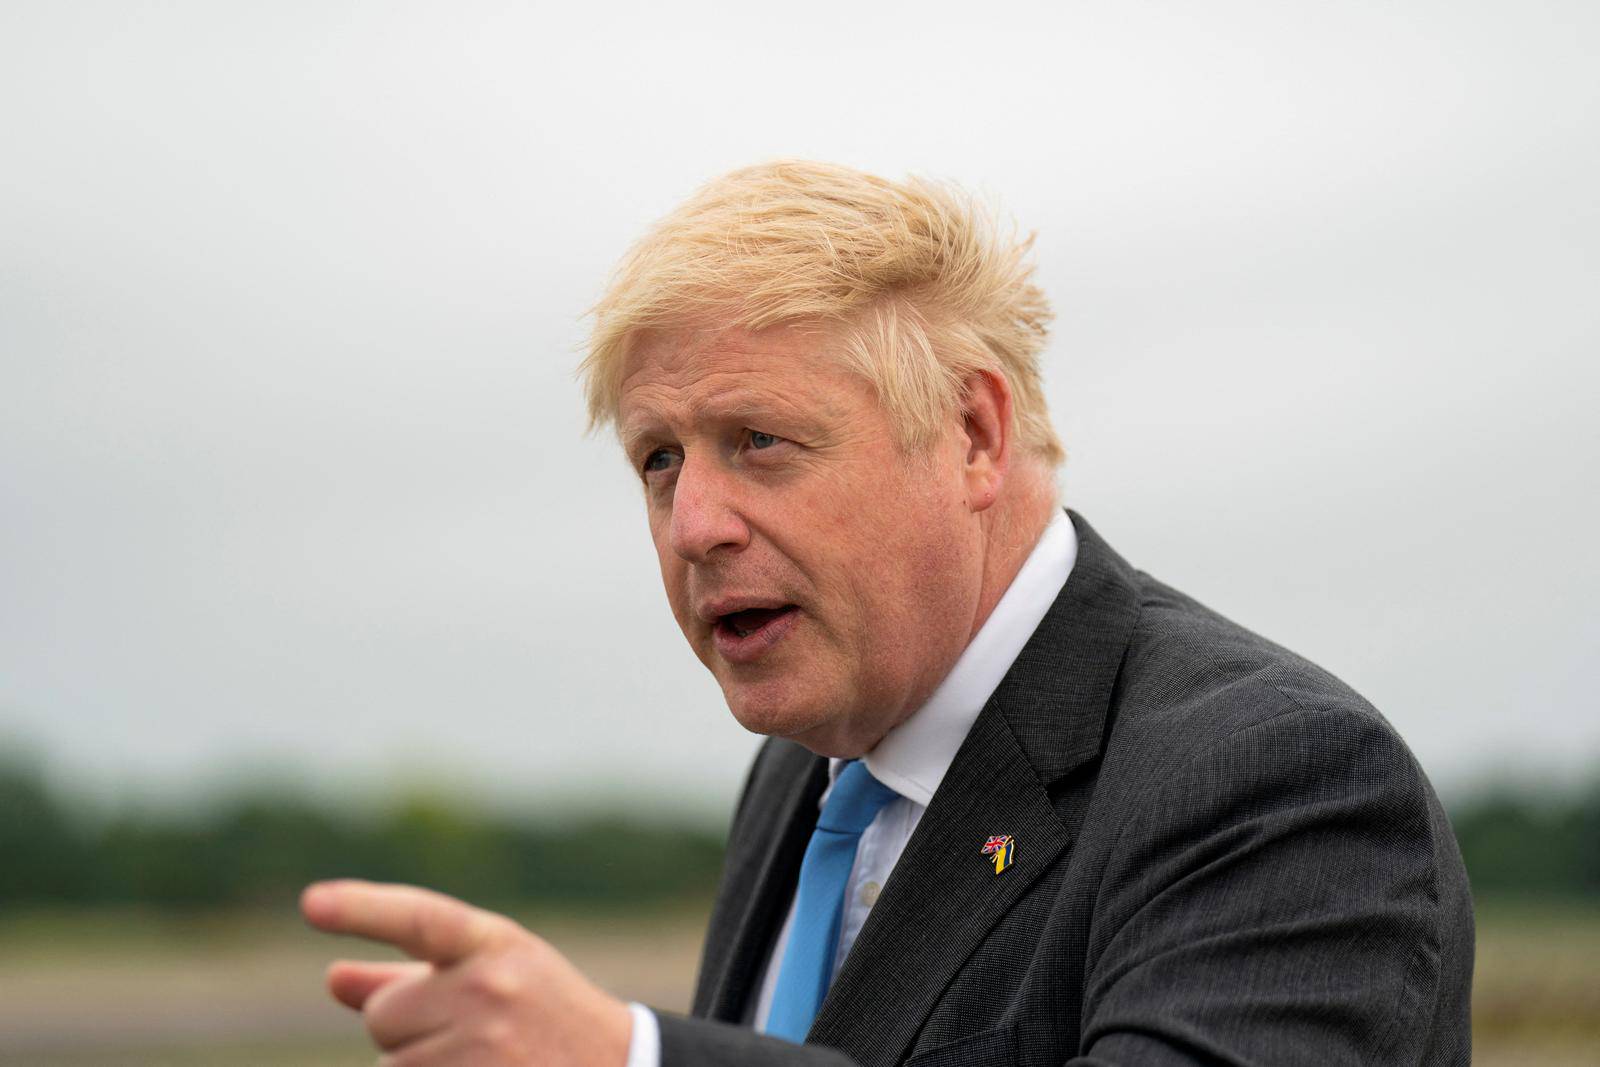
(913, 757)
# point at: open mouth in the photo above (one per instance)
(746, 636)
(751, 621)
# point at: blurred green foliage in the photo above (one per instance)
(261, 846)
(1521, 843)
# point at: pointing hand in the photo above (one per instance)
(483, 989)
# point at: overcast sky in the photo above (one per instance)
(292, 470)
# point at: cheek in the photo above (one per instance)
(887, 541)
(923, 576)
(674, 578)
(859, 522)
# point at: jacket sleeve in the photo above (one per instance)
(689, 1042)
(1281, 897)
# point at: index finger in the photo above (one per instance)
(423, 924)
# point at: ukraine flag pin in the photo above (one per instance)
(1000, 846)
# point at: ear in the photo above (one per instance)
(986, 421)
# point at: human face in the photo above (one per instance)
(828, 580)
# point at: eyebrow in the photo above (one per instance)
(632, 436)
(735, 406)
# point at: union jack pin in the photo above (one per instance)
(1000, 846)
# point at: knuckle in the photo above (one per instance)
(388, 1011)
(499, 931)
(378, 1017)
(497, 980)
(384, 1034)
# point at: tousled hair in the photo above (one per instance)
(918, 286)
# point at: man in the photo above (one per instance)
(1021, 803)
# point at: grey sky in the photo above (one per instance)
(291, 464)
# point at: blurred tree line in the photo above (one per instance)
(1519, 842)
(262, 846)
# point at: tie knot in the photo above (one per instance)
(854, 801)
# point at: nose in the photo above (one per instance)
(705, 515)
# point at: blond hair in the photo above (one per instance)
(915, 279)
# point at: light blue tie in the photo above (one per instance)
(854, 801)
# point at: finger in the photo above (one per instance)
(435, 1050)
(424, 924)
(408, 1010)
(352, 981)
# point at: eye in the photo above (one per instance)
(659, 460)
(762, 440)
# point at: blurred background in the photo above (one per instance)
(307, 567)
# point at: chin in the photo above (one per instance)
(821, 731)
(775, 714)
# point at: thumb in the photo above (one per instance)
(352, 981)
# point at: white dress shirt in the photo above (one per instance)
(913, 757)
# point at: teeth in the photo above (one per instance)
(749, 621)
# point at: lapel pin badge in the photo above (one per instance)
(1001, 847)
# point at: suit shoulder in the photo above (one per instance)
(1270, 810)
(1200, 695)
(1193, 676)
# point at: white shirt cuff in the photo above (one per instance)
(644, 1047)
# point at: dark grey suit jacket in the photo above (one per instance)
(1223, 856)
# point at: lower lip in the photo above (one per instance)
(753, 645)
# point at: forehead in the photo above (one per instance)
(683, 375)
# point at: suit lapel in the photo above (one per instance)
(1057, 694)
(942, 898)
(760, 880)
(1045, 720)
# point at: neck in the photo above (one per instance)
(1011, 530)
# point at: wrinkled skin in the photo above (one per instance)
(771, 474)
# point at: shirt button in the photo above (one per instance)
(869, 893)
